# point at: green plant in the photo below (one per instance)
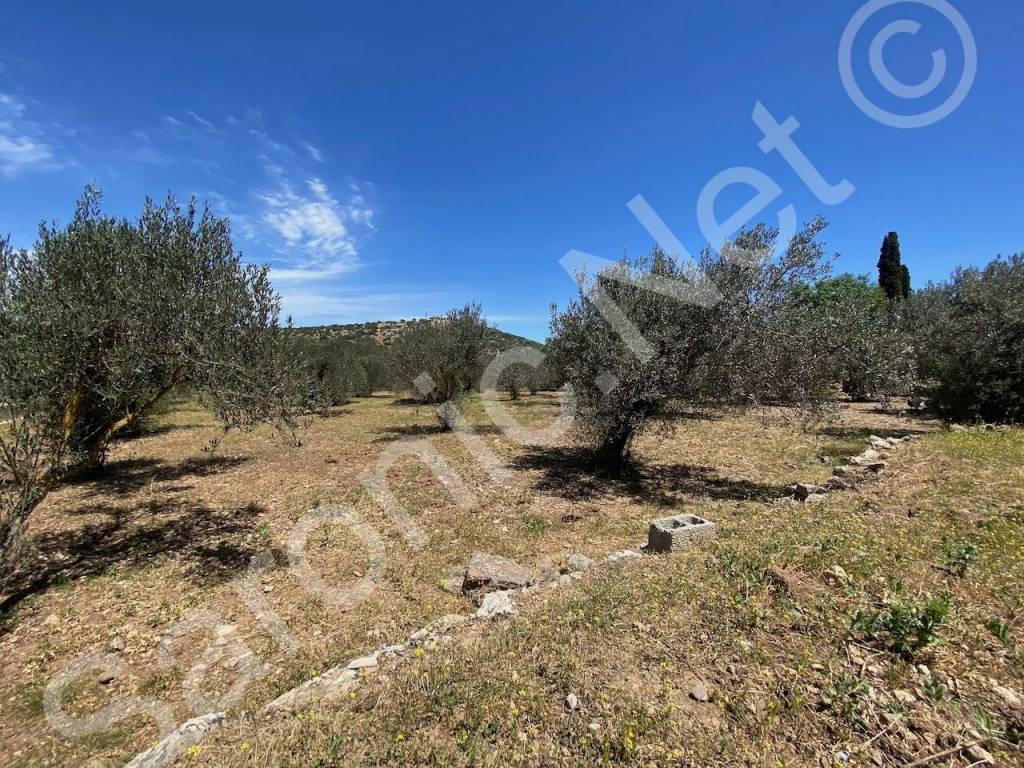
(958, 557)
(536, 525)
(1000, 629)
(847, 698)
(933, 687)
(903, 627)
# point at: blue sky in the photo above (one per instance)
(397, 159)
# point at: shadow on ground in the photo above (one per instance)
(568, 472)
(127, 476)
(213, 545)
(390, 434)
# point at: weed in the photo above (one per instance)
(934, 688)
(903, 627)
(847, 699)
(536, 525)
(959, 556)
(1000, 629)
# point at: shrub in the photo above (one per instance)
(758, 343)
(103, 318)
(970, 338)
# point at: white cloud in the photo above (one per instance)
(315, 153)
(314, 222)
(202, 121)
(22, 143)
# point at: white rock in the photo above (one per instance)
(177, 742)
(496, 605)
(364, 662)
(621, 554)
(572, 702)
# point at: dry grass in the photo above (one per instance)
(166, 532)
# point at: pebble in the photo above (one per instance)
(700, 692)
(572, 702)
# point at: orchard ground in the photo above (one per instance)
(754, 650)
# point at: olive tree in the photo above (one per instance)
(753, 341)
(104, 317)
(969, 333)
(871, 338)
(440, 359)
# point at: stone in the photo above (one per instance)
(328, 686)
(453, 582)
(836, 576)
(671, 534)
(837, 483)
(621, 554)
(699, 691)
(577, 562)
(904, 696)
(866, 457)
(106, 677)
(492, 573)
(814, 498)
(363, 662)
(116, 644)
(1008, 695)
(170, 748)
(572, 702)
(879, 443)
(875, 466)
(564, 580)
(804, 490)
(496, 605)
(843, 470)
(52, 620)
(980, 755)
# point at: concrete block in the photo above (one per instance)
(671, 534)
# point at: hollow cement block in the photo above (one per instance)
(670, 534)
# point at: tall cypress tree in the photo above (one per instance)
(890, 273)
(904, 281)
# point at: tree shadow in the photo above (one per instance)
(863, 433)
(217, 544)
(127, 476)
(569, 472)
(392, 433)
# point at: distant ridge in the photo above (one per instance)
(385, 331)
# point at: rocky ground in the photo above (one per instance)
(846, 613)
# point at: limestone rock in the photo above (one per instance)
(621, 554)
(577, 562)
(490, 573)
(496, 605)
(364, 662)
(177, 742)
(699, 691)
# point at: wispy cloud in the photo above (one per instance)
(313, 221)
(23, 144)
(314, 152)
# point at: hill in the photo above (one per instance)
(385, 331)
